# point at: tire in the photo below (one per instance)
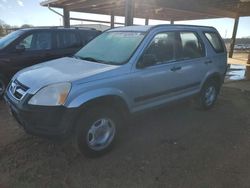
(3, 85)
(98, 122)
(208, 95)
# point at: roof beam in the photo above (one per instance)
(191, 7)
(92, 4)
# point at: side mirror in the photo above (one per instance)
(20, 48)
(147, 60)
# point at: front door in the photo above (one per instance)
(37, 49)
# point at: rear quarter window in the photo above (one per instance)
(215, 41)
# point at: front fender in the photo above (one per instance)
(91, 95)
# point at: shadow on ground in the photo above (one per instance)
(177, 146)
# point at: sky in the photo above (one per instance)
(19, 12)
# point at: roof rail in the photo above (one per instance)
(58, 27)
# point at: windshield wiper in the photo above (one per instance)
(94, 60)
(90, 59)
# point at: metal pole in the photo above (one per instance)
(129, 12)
(236, 23)
(146, 21)
(66, 22)
(171, 21)
(112, 20)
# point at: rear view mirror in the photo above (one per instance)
(20, 48)
(147, 60)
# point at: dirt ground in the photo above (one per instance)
(173, 147)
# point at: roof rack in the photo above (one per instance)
(57, 27)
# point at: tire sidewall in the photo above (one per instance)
(202, 101)
(85, 122)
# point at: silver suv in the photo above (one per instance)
(121, 72)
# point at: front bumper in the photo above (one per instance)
(47, 121)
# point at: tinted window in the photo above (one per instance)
(215, 41)
(190, 47)
(162, 47)
(67, 40)
(88, 35)
(37, 41)
(27, 42)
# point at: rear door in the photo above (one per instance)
(191, 60)
(67, 43)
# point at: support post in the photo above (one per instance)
(231, 50)
(112, 20)
(146, 21)
(129, 12)
(66, 21)
(247, 73)
(171, 21)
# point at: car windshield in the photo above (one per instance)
(111, 47)
(6, 40)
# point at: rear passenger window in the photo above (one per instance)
(215, 41)
(190, 46)
(162, 47)
(67, 40)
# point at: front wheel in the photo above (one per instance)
(96, 131)
(208, 95)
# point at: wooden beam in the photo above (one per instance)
(97, 4)
(66, 21)
(97, 21)
(112, 20)
(129, 12)
(187, 6)
(236, 23)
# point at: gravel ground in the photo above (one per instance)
(177, 146)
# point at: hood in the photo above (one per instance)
(60, 70)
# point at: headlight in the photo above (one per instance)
(52, 95)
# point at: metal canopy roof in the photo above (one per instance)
(159, 9)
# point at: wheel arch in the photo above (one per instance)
(104, 96)
(213, 76)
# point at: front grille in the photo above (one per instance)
(18, 90)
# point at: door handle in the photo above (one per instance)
(175, 69)
(208, 62)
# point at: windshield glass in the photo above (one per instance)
(6, 40)
(111, 47)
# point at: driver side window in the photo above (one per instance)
(27, 42)
(37, 41)
(161, 49)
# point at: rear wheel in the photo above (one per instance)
(208, 94)
(96, 131)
